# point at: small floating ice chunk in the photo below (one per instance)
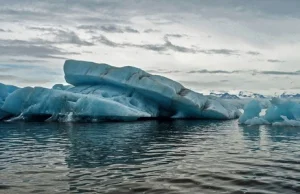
(251, 110)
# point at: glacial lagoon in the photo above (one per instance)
(149, 157)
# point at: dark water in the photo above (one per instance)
(149, 157)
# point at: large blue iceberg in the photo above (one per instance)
(5, 90)
(281, 112)
(102, 92)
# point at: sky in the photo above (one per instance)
(207, 45)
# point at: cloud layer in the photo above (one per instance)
(195, 38)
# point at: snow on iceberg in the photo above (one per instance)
(101, 91)
(281, 112)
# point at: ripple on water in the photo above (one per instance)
(149, 157)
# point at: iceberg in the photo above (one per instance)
(33, 103)
(289, 109)
(251, 110)
(5, 90)
(104, 92)
(281, 112)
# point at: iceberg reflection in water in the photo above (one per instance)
(151, 156)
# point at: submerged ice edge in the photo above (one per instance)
(104, 92)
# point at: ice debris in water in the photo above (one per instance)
(102, 92)
(281, 112)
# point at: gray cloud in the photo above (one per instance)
(21, 12)
(151, 30)
(37, 48)
(61, 36)
(166, 46)
(106, 19)
(280, 73)
(253, 72)
(264, 25)
(212, 72)
(207, 8)
(220, 51)
(62, 12)
(153, 47)
(70, 37)
(43, 29)
(275, 61)
(224, 80)
(109, 28)
(253, 53)
(3, 30)
(205, 71)
(175, 35)
(33, 51)
(130, 30)
(19, 15)
(102, 39)
(104, 11)
(163, 71)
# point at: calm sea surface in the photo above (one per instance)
(149, 157)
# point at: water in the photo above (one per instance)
(149, 157)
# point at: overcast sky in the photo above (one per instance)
(220, 45)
